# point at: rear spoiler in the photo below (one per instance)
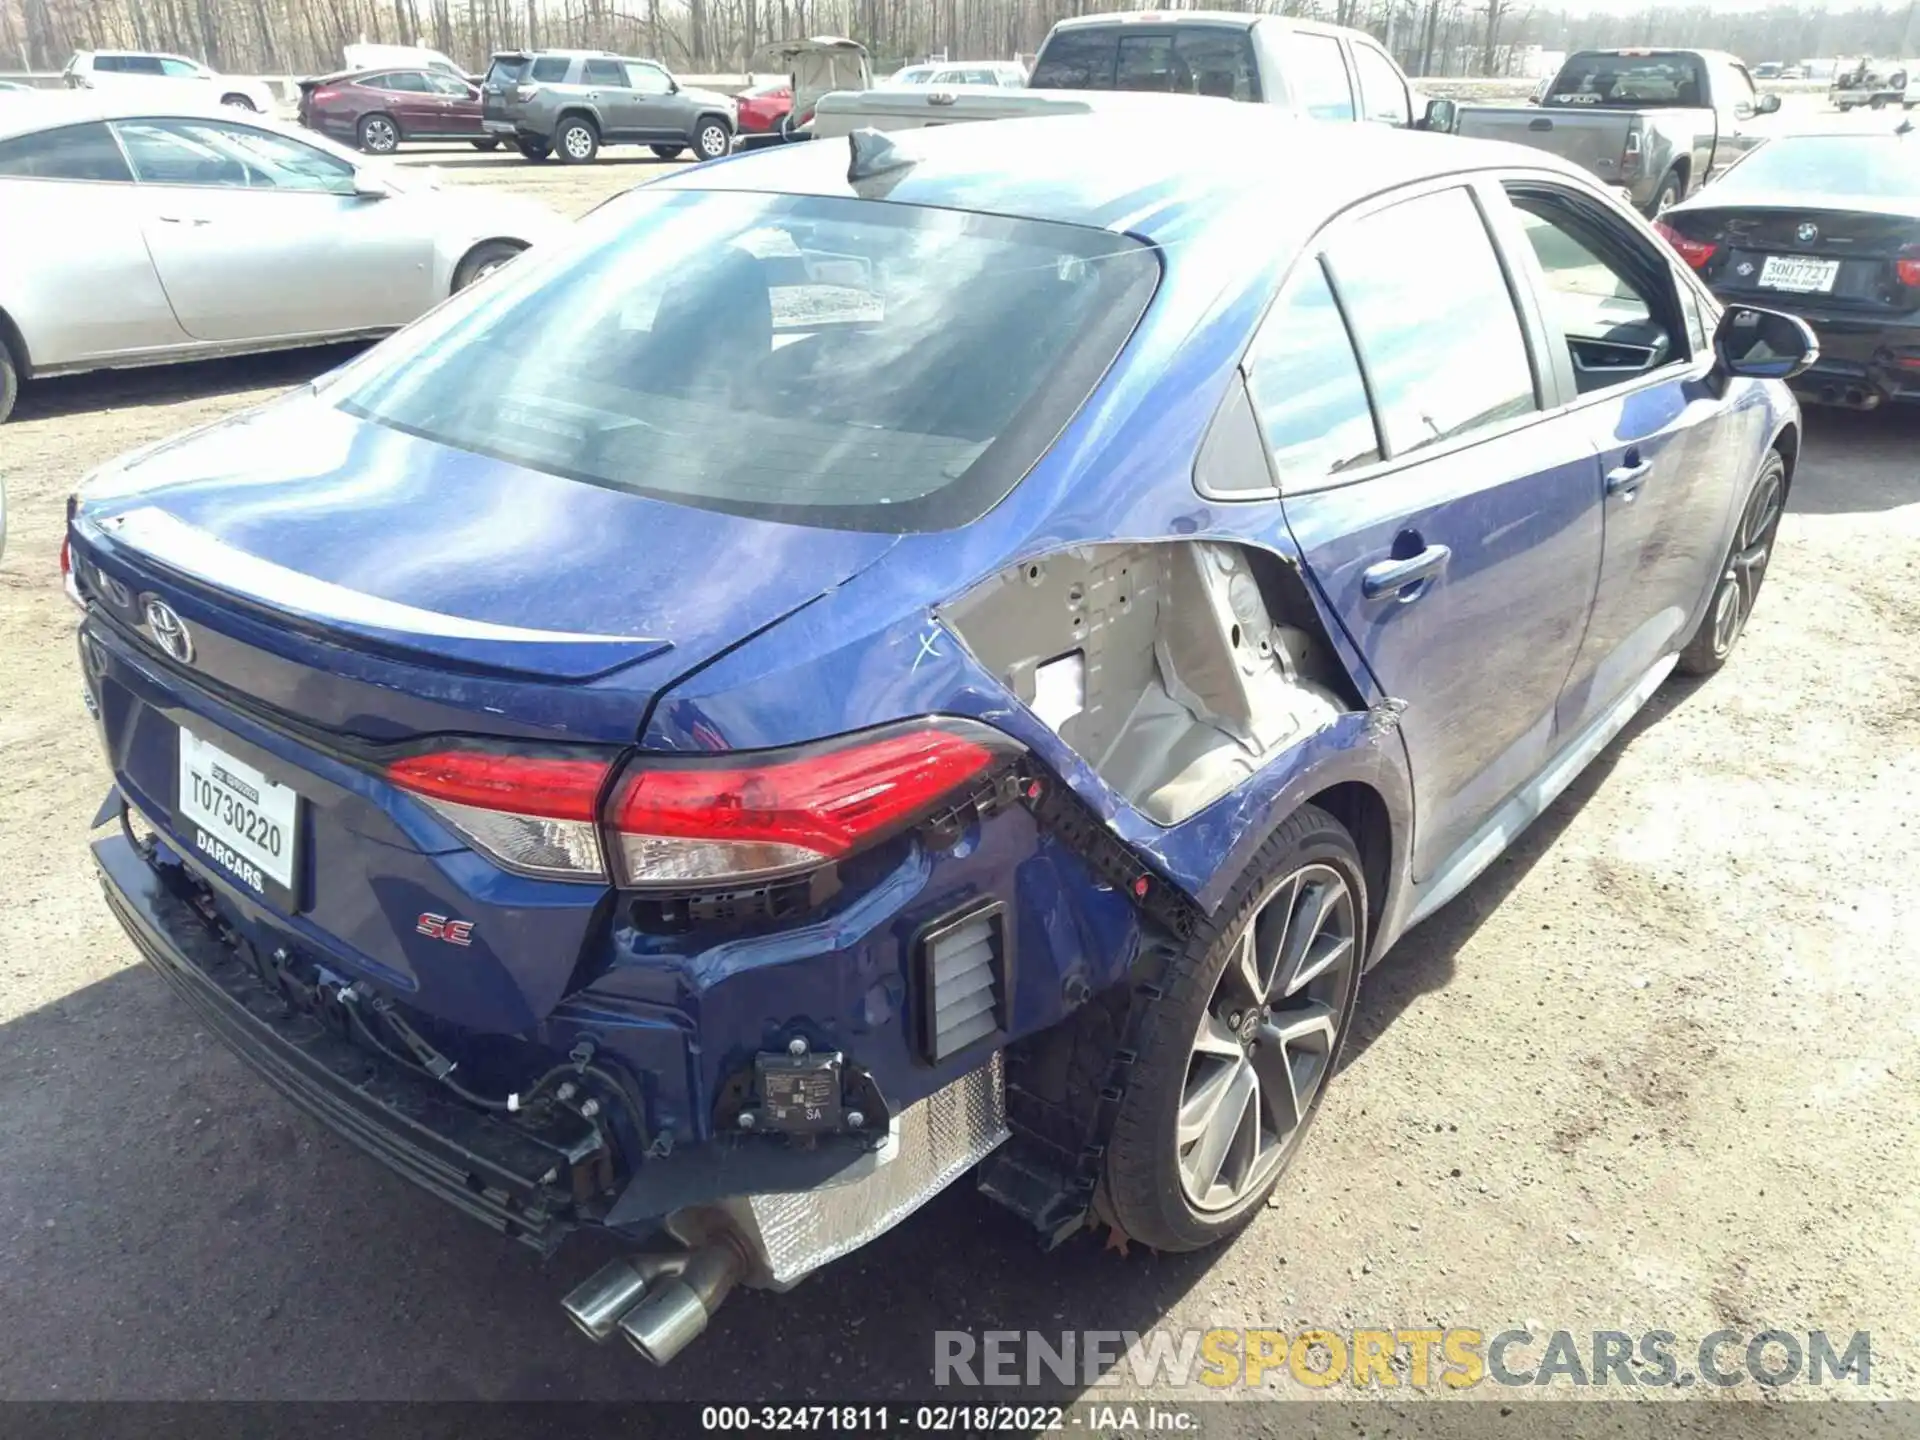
(314, 82)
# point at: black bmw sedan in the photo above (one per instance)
(1826, 227)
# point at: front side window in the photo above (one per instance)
(180, 69)
(604, 72)
(1383, 94)
(73, 152)
(1306, 387)
(648, 80)
(1434, 320)
(835, 362)
(550, 69)
(1601, 293)
(409, 82)
(450, 87)
(1317, 74)
(209, 153)
(1082, 58)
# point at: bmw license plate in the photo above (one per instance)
(1799, 276)
(245, 825)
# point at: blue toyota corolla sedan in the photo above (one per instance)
(945, 653)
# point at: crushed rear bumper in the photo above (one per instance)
(503, 1174)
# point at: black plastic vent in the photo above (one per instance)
(962, 965)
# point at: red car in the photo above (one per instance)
(761, 109)
(378, 109)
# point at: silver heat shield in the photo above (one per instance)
(931, 1144)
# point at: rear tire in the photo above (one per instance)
(485, 144)
(9, 382)
(1236, 1052)
(1879, 102)
(481, 261)
(1741, 574)
(667, 152)
(1671, 189)
(378, 134)
(712, 139)
(240, 102)
(576, 141)
(534, 150)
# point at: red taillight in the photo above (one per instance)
(708, 823)
(534, 814)
(694, 822)
(320, 95)
(70, 582)
(1695, 252)
(1907, 266)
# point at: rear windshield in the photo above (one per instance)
(845, 363)
(1629, 81)
(507, 69)
(1868, 166)
(1182, 60)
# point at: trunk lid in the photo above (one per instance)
(1862, 244)
(314, 554)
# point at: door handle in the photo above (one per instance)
(183, 220)
(1627, 480)
(1392, 577)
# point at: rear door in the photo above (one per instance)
(257, 236)
(1459, 542)
(608, 91)
(1672, 455)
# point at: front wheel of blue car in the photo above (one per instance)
(1237, 1051)
(1738, 586)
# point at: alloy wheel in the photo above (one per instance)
(1267, 1038)
(713, 142)
(379, 136)
(578, 141)
(1747, 565)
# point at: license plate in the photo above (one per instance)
(499, 127)
(236, 818)
(1801, 277)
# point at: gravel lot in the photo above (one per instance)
(1655, 1070)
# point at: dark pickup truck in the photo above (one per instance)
(1655, 124)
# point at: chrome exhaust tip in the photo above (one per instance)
(675, 1313)
(597, 1303)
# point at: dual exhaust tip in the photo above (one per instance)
(1853, 397)
(660, 1301)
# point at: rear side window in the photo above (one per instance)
(604, 72)
(412, 82)
(551, 69)
(824, 361)
(1434, 320)
(73, 152)
(1082, 58)
(1383, 94)
(1317, 73)
(1306, 387)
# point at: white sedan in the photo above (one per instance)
(162, 235)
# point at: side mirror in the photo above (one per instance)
(1768, 105)
(1764, 344)
(370, 187)
(673, 86)
(1440, 116)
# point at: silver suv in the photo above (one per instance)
(571, 102)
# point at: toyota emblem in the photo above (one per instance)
(169, 631)
(1807, 233)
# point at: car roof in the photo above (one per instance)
(1130, 164)
(49, 109)
(1238, 18)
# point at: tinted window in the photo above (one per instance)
(826, 361)
(112, 64)
(1433, 319)
(1383, 94)
(141, 65)
(507, 70)
(1317, 74)
(1146, 63)
(73, 152)
(411, 82)
(1218, 60)
(550, 69)
(603, 72)
(207, 152)
(447, 85)
(1628, 80)
(1079, 59)
(1307, 389)
(649, 80)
